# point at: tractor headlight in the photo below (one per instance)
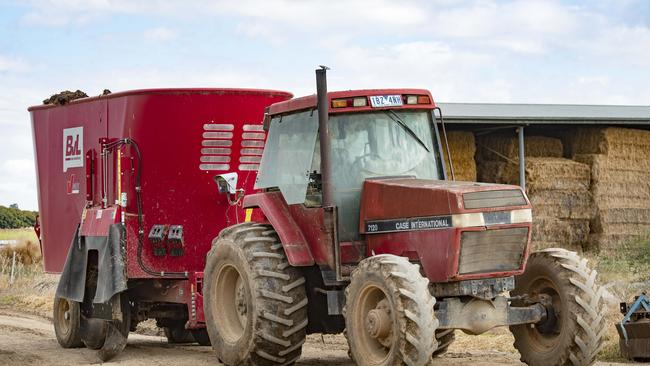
(468, 219)
(521, 216)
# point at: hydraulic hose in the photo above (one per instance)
(138, 198)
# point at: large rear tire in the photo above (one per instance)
(389, 314)
(573, 332)
(66, 317)
(255, 303)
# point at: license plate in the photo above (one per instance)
(385, 101)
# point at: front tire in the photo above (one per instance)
(66, 318)
(575, 333)
(389, 314)
(255, 303)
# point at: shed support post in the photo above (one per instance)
(522, 161)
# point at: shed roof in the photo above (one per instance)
(502, 113)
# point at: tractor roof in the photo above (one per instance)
(309, 101)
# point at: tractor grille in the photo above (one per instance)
(487, 199)
(492, 250)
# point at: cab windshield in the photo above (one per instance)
(384, 143)
(377, 144)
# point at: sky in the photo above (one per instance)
(568, 52)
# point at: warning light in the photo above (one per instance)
(424, 99)
(417, 99)
(339, 103)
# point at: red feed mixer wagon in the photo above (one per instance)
(247, 220)
(128, 202)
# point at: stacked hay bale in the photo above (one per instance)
(462, 146)
(558, 188)
(619, 159)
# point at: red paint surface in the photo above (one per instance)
(438, 250)
(276, 211)
(167, 124)
(97, 221)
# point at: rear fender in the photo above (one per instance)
(108, 239)
(276, 210)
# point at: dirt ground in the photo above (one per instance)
(28, 339)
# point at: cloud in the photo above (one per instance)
(18, 183)
(161, 34)
(12, 64)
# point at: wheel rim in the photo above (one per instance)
(373, 322)
(545, 340)
(63, 316)
(232, 302)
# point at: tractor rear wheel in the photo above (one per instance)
(255, 303)
(66, 318)
(445, 338)
(572, 332)
(389, 314)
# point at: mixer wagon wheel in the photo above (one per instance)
(255, 303)
(572, 332)
(93, 332)
(66, 317)
(178, 334)
(389, 314)
(445, 338)
(117, 330)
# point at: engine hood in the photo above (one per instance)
(397, 198)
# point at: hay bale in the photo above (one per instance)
(491, 171)
(612, 141)
(605, 168)
(565, 233)
(462, 147)
(562, 204)
(496, 146)
(551, 174)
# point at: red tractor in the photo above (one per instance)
(356, 228)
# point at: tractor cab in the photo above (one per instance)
(372, 134)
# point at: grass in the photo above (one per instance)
(32, 290)
(630, 262)
(18, 234)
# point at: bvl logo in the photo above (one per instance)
(73, 145)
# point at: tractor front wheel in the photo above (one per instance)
(66, 318)
(389, 314)
(255, 303)
(572, 331)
